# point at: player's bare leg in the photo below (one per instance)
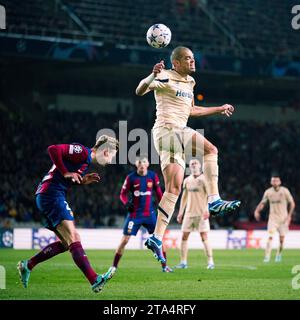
(69, 234)
(216, 205)
(173, 178)
(278, 257)
(268, 249)
(208, 250)
(183, 251)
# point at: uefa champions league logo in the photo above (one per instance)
(296, 19)
(2, 18)
(7, 239)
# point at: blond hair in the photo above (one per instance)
(108, 142)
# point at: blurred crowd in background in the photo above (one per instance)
(248, 154)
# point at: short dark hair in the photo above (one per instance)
(275, 175)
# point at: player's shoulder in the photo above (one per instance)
(268, 190)
(172, 74)
(187, 179)
(201, 178)
(152, 174)
(131, 175)
(163, 76)
(191, 79)
(285, 189)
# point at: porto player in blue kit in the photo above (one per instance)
(141, 212)
(70, 164)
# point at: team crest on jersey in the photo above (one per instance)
(149, 184)
(77, 149)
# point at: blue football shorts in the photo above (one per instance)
(54, 210)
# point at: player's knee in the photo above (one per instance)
(185, 237)
(203, 236)
(125, 241)
(281, 239)
(212, 149)
(73, 237)
(175, 189)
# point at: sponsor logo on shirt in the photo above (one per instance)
(140, 193)
(180, 93)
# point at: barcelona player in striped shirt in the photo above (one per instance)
(70, 165)
(136, 195)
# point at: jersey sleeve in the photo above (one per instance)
(72, 152)
(160, 82)
(288, 196)
(157, 187)
(265, 197)
(124, 190)
(76, 153)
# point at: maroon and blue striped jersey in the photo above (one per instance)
(141, 190)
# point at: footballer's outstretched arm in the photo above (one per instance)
(199, 111)
(143, 86)
(260, 206)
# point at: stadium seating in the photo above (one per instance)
(236, 27)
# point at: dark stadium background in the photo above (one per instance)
(55, 53)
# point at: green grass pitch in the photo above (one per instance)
(239, 274)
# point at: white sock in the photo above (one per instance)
(157, 237)
(213, 198)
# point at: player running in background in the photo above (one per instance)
(141, 212)
(70, 164)
(173, 91)
(280, 216)
(193, 213)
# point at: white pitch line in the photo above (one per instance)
(236, 266)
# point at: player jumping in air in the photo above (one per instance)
(173, 91)
(141, 212)
(70, 164)
(193, 213)
(280, 217)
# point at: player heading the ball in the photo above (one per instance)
(173, 92)
(70, 165)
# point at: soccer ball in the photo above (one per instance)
(158, 36)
